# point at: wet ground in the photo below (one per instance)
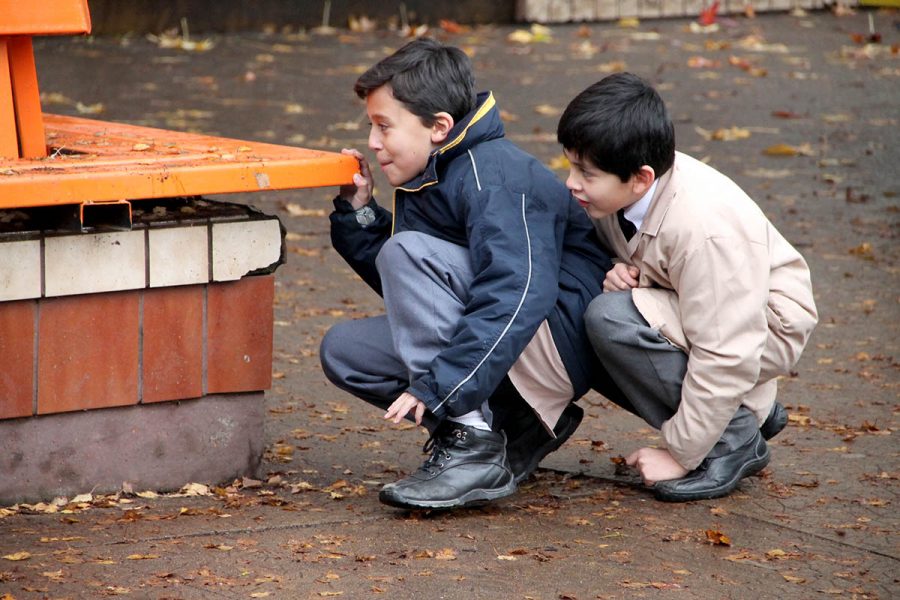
(799, 110)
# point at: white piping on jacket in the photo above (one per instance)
(508, 325)
(475, 170)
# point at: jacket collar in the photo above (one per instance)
(662, 200)
(481, 124)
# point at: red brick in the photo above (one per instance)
(239, 335)
(16, 358)
(88, 352)
(173, 343)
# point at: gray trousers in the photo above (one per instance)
(648, 369)
(425, 282)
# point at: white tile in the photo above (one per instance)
(241, 247)
(179, 256)
(85, 263)
(20, 270)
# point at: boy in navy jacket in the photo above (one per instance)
(486, 267)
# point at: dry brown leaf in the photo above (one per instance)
(547, 110)
(17, 556)
(717, 538)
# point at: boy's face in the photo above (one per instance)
(598, 192)
(401, 143)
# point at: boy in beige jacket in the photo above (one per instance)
(707, 305)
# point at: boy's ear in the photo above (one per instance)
(443, 123)
(642, 180)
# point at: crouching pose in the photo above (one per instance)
(707, 304)
(486, 267)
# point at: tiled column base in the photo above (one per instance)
(156, 447)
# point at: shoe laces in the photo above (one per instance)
(439, 445)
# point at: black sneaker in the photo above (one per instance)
(467, 466)
(529, 443)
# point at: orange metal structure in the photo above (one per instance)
(51, 159)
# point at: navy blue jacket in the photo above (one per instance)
(534, 254)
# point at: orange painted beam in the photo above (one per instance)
(101, 161)
(26, 98)
(44, 17)
(9, 142)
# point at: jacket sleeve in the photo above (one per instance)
(358, 244)
(722, 287)
(515, 245)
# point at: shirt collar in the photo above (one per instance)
(637, 211)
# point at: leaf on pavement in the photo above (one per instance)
(717, 538)
(16, 556)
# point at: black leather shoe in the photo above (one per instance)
(467, 466)
(529, 443)
(775, 422)
(716, 477)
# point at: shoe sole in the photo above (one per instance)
(470, 498)
(751, 468)
(551, 447)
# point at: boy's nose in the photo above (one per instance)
(570, 183)
(374, 140)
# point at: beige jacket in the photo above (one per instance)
(720, 282)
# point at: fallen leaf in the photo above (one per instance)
(16, 556)
(560, 163)
(786, 150)
(141, 556)
(794, 579)
(547, 110)
(717, 538)
(445, 554)
(90, 109)
(708, 15)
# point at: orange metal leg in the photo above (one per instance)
(26, 98)
(9, 144)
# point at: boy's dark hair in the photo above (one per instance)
(427, 77)
(620, 124)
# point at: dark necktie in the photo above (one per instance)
(627, 226)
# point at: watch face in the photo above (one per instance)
(365, 216)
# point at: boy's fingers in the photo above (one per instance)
(631, 459)
(420, 412)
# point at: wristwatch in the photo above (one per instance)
(365, 216)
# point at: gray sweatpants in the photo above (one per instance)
(425, 282)
(648, 369)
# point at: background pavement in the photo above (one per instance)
(799, 110)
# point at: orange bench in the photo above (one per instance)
(51, 159)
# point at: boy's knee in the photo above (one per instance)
(603, 317)
(332, 351)
(402, 248)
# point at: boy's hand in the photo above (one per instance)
(621, 278)
(359, 192)
(655, 464)
(402, 406)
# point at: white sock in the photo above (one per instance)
(473, 418)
